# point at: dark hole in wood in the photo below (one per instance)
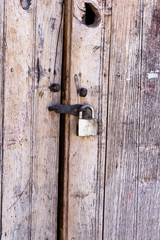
(90, 15)
(25, 4)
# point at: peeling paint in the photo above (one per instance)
(152, 75)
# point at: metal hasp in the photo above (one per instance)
(87, 127)
(66, 109)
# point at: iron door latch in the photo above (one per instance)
(86, 127)
(66, 109)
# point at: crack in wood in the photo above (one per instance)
(38, 71)
(18, 197)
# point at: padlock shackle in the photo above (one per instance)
(84, 107)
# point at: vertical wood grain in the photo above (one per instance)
(63, 204)
(132, 160)
(1, 97)
(88, 48)
(48, 59)
(17, 122)
(31, 134)
(148, 196)
(120, 212)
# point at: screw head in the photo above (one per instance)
(54, 87)
(83, 92)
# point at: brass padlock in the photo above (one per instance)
(87, 127)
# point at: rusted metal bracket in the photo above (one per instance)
(65, 109)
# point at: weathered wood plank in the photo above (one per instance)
(1, 93)
(63, 204)
(132, 192)
(120, 216)
(148, 213)
(17, 122)
(85, 156)
(48, 54)
(31, 133)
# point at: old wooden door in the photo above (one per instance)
(108, 184)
